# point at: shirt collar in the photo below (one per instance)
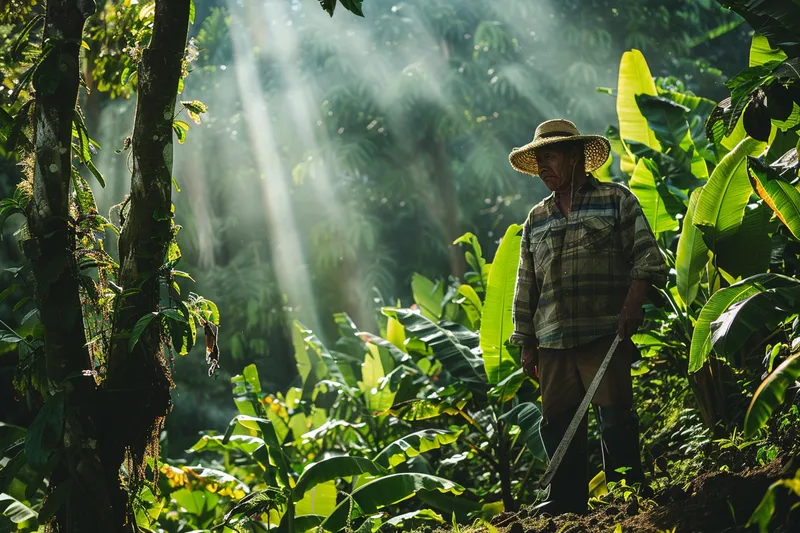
(590, 184)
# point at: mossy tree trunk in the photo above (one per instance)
(137, 386)
(76, 481)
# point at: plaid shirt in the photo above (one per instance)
(575, 273)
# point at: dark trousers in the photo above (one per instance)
(564, 376)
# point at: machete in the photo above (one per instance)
(555, 461)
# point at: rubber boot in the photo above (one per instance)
(569, 489)
(619, 431)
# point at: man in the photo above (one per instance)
(587, 259)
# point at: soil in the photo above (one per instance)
(719, 502)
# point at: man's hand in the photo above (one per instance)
(632, 314)
(630, 320)
(530, 361)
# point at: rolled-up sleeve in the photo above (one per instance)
(640, 244)
(525, 294)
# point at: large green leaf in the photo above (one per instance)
(445, 344)
(719, 302)
(245, 443)
(720, 208)
(779, 21)
(310, 368)
(378, 393)
(766, 309)
(508, 388)
(692, 254)
(634, 79)
(496, 322)
(762, 52)
(415, 410)
(770, 394)
(779, 195)
(696, 140)
(414, 444)
(753, 236)
(428, 295)
(762, 516)
(653, 196)
(250, 425)
(387, 490)
(314, 361)
(320, 500)
(334, 468)
(528, 417)
(245, 391)
(196, 502)
(209, 476)
(45, 432)
(397, 354)
(666, 118)
(626, 161)
(15, 511)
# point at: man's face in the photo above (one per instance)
(556, 162)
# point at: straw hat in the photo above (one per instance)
(596, 147)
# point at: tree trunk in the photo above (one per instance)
(75, 468)
(138, 382)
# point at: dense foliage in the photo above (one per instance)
(376, 151)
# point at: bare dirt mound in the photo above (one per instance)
(711, 503)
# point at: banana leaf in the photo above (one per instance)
(446, 344)
(720, 208)
(378, 394)
(249, 425)
(654, 197)
(414, 444)
(314, 361)
(762, 52)
(508, 388)
(333, 468)
(496, 321)
(692, 255)
(753, 236)
(528, 417)
(428, 295)
(699, 110)
(666, 118)
(779, 195)
(15, 511)
(765, 310)
(777, 21)
(395, 333)
(719, 302)
(634, 79)
(245, 443)
(415, 410)
(770, 395)
(387, 490)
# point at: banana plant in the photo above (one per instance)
(485, 387)
(770, 394)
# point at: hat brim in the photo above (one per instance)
(596, 149)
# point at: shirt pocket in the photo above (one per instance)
(596, 233)
(541, 248)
